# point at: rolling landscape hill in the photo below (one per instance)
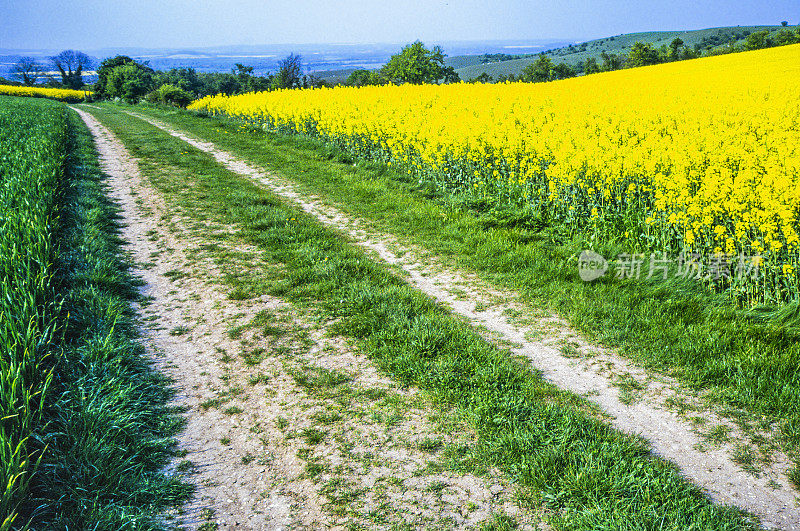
(708, 39)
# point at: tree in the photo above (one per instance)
(785, 37)
(758, 40)
(675, 48)
(170, 95)
(611, 62)
(416, 65)
(449, 75)
(538, 71)
(643, 54)
(358, 78)
(243, 70)
(130, 82)
(289, 71)
(591, 66)
(784, 23)
(184, 78)
(26, 70)
(483, 78)
(71, 65)
(313, 81)
(563, 71)
(363, 77)
(106, 66)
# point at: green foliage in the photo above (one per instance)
(363, 77)
(130, 82)
(563, 71)
(290, 70)
(497, 57)
(539, 71)
(643, 54)
(785, 37)
(675, 48)
(612, 62)
(483, 78)
(591, 66)
(170, 95)
(758, 40)
(615, 49)
(105, 68)
(185, 79)
(544, 70)
(416, 64)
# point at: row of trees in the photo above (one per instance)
(125, 78)
(70, 64)
(642, 54)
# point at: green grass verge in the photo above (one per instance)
(745, 359)
(104, 433)
(588, 475)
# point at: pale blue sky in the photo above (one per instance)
(184, 23)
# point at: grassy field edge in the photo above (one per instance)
(106, 425)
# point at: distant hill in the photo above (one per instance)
(470, 67)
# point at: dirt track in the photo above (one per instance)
(599, 375)
(263, 451)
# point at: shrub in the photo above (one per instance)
(130, 82)
(170, 95)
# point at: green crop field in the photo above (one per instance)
(33, 145)
(84, 427)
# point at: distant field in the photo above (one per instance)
(572, 55)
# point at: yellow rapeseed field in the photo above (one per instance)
(700, 156)
(42, 92)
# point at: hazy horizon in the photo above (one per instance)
(99, 24)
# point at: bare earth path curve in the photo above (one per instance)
(595, 374)
(258, 454)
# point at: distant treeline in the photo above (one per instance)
(127, 79)
(644, 54)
